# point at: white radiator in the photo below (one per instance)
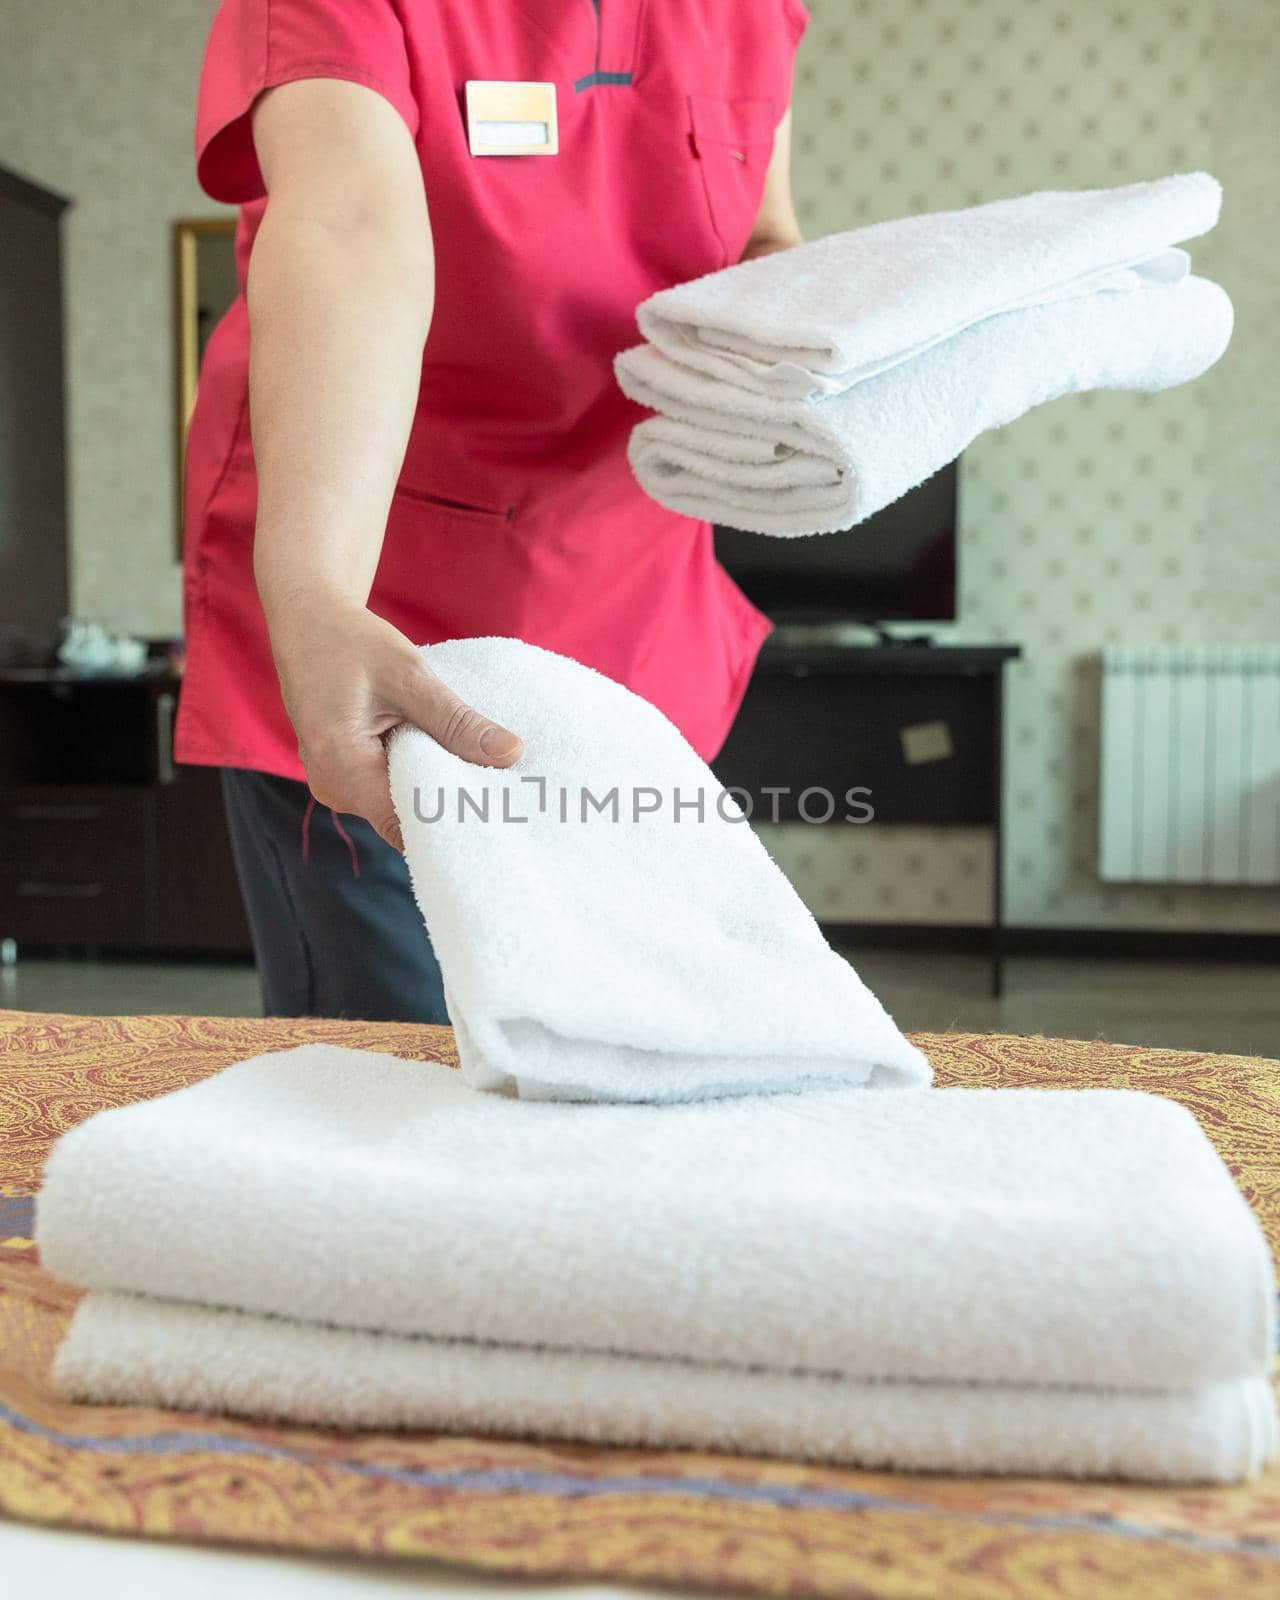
(1190, 765)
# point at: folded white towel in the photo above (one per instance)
(1086, 1238)
(833, 312)
(746, 460)
(614, 930)
(126, 1350)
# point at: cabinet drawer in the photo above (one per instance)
(77, 835)
(75, 865)
(36, 908)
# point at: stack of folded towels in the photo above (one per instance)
(690, 1187)
(803, 391)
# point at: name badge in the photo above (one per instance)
(511, 119)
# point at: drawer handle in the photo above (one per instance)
(165, 704)
(57, 813)
(59, 891)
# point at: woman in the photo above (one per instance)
(425, 343)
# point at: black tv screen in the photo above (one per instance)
(897, 565)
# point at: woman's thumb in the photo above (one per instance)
(453, 723)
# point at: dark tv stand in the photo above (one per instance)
(890, 641)
(919, 725)
(810, 635)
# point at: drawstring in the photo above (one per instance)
(342, 834)
(348, 841)
(306, 827)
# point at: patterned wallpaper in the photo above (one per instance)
(1098, 519)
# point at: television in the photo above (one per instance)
(899, 565)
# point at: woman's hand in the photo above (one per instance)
(348, 677)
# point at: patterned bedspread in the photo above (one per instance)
(515, 1506)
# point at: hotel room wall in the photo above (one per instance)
(1101, 518)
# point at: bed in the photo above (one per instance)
(526, 1508)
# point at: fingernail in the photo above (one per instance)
(496, 742)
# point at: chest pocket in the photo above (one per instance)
(732, 141)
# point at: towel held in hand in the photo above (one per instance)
(804, 391)
(607, 924)
(836, 311)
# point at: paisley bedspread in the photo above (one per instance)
(520, 1507)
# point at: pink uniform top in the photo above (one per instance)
(516, 512)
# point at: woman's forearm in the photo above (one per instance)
(340, 293)
(339, 315)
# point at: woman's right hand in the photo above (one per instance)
(348, 677)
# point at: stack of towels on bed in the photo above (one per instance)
(650, 1235)
(958, 1280)
(803, 391)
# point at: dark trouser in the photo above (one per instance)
(329, 942)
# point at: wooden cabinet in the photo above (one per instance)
(74, 867)
(103, 841)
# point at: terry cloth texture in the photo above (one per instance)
(804, 391)
(835, 311)
(809, 1231)
(786, 467)
(725, 1271)
(123, 1347)
(608, 925)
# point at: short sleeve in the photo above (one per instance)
(797, 19)
(256, 45)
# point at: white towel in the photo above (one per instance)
(729, 455)
(125, 1350)
(643, 947)
(1064, 1238)
(823, 316)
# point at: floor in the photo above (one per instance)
(1233, 1008)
